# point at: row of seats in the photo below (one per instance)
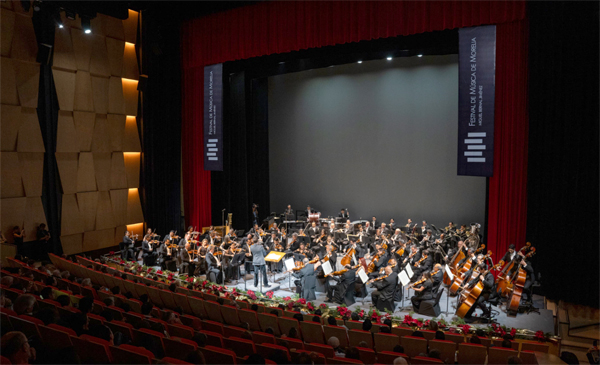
(313, 334)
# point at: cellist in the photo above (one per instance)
(488, 286)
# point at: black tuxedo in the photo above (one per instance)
(426, 294)
(383, 297)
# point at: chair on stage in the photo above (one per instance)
(431, 307)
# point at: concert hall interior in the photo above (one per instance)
(320, 182)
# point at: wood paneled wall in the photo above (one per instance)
(21, 143)
(98, 145)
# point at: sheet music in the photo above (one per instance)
(289, 263)
(403, 278)
(409, 271)
(362, 275)
(448, 272)
(327, 268)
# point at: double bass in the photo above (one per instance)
(503, 282)
(459, 255)
(458, 281)
(470, 295)
(519, 281)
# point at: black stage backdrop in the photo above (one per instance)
(562, 219)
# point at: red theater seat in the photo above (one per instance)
(128, 354)
(179, 347)
(242, 347)
(387, 357)
(266, 349)
(218, 355)
(326, 350)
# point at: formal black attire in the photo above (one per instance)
(343, 291)
(488, 286)
(383, 296)
(426, 294)
(308, 282)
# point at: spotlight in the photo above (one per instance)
(58, 19)
(359, 61)
(389, 58)
(419, 55)
(86, 25)
(60, 25)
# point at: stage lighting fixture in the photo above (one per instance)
(37, 5)
(60, 25)
(86, 25)
(359, 61)
(70, 14)
(58, 19)
(419, 55)
(389, 58)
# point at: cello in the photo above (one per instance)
(503, 283)
(459, 255)
(519, 281)
(347, 259)
(468, 298)
(456, 284)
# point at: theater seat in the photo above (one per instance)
(129, 354)
(218, 355)
(261, 337)
(499, 355)
(469, 353)
(413, 346)
(242, 347)
(387, 357)
(267, 320)
(171, 360)
(342, 360)
(446, 348)
(425, 360)
(336, 331)
(385, 341)
(266, 349)
(367, 356)
(326, 350)
(4, 360)
(179, 347)
(54, 338)
(62, 328)
(357, 336)
(213, 338)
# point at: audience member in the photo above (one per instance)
(352, 353)
(366, 326)
(15, 347)
(400, 361)
(24, 304)
(399, 349)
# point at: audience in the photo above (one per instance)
(352, 353)
(400, 361)
(15, 347)
(335, 343)
(506, 344)
(366, 326)
(399, 349)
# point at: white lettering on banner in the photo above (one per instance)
(475, 144)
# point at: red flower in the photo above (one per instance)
(269, 294)
(323, 305)
(539, 335)
(301, 301)
(290, 305)
(121, 262)
(149, 270)
(111, 253)
(159, 272)
(287, 298)
(251, 295)
(310, 306)
(465, 328)
(513, 332)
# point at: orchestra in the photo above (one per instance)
(382, 250)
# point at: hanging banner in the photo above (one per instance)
(213, 117)
(476, 90)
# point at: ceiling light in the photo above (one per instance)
(389, 58)
(86, 25)
(419, 55)
(359, 61)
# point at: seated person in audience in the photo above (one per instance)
(399, 349)
(400, 361)
(15, 347)
(352, 353)
(104, 332)
(24, 304)
(335, 343)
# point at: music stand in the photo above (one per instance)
(274, 256)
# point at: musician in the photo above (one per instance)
(343, 214)
(369, 231)
(392, 226)
(330, 253)
(427, 239)
(451, 227)
(382, 259)
(413, 257)
(184, 240)
(488, 286)
(270, 242)
(258, 260)
(238, 259)
(466, 276)
(348, 228)
(275, 229)
(301, 253)
(245, 244)
(384, 229)
(313, 231)
(255, 218)
(213, 265)
(383, 296)
(43, 235)
(424, 264)
(187, 265)
(424, 227)
(453, 251)
(374, 222)
(423, 291)
(254, 230)
(469, 257)
(409, 223)
(526, 265)
(128, 243)
(289, 213)
(397, 236)
(437, 277)
(307, 284)
(339, 293)
(149, 254)
(166, 256)
(510, 254)
(358, 249)
(294, 244)
(308, 211)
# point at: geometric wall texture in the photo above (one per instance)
(98, 147)
(21, 144)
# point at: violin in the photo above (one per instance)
(418, 282)
(377, 279)
(343, 271)
(421, 260)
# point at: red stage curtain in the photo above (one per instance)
(507, 205)
(279, 27)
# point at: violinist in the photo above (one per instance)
(254, 230)
(213, 265)
(383, 296)
(270, 242)
(275, 229)
(187, 265)
(302, 253)
(423, 291)
(330, 255)
(437, 276)
(129, 241)
(226, 259)
(149, 253)
(397, 236)
(166, 255)
(369, 231)
(339, 293)
(294, 244)
(380, 260)
(313, 231)
(488, 286)
(424, 264)
(392, 226)
(413, 257)
(307, 283)
(384, 229)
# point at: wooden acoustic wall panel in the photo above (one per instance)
(64, 57)
(12, 185)
(13, 214)
(115, 49)
(8, 30)
(99, 59)
(130, 64)
(100, 94)
(29, 138)
(88, 206)
(24, 44)
(84, 124)
(130, 26)
(71, 222)
(113, 28)
(118, 179)
(34, 217)
(82, 47)
(131, 142)
(65, 88)
(98, 25)
(118, 199)
(116, 101)
(102, 161)
(134, 207)
(67, 139)
(6, 5)
(101, 138)
(84, 101)
(104, 213)
(67, 168)
(32, 172)
(68, 23)
(98, 239)
(137, 228)
(86, 175)
(132, 167)
(130, 94)
(28, 81)
(8, 80)
(116, 130)
(10, 115)
(72, 244)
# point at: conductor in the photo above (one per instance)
(258, 260)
